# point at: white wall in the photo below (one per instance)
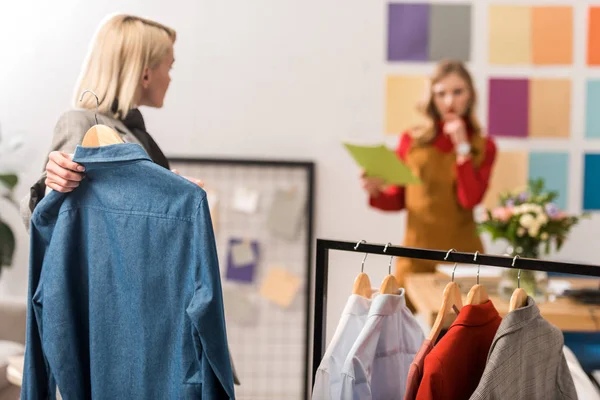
(253, 78)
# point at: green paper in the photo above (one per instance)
(381, 162)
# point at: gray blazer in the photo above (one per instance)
(526, 360)
(68, 133)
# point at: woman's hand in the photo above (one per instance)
(62, 174)
(456, 130)
(373, 186)
(193, 180)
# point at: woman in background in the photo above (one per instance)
(454, 162)
(128, 66)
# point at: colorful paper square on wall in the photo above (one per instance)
(508, 107)
(403, 94)
(509, 173)
(593, 42)
(552, 35)
(550, 108)
(591, 185)
(509, 35)
(450, 32)
(428, 32)
(592, 109)
(408, 32)
(553, 168)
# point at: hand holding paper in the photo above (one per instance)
(381, 162)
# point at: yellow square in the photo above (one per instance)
(404, 94)
(550, 108)
(509, 35)
(509, 173)
(280, 287)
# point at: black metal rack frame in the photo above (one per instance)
(322, 271)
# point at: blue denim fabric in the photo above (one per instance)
(125, 298)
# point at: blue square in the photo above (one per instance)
(592, 107)
(553, 168)
(591, 182)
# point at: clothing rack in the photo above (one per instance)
(322, 270)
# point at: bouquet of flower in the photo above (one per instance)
(529, 218)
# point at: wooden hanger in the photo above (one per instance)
(519, 296)
(478, 294)
(451, 302)
(362, 283)
(99, 135)
(389, 284)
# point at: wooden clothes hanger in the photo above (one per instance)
(478, 294)
(451, 302)
(389, 284)
(519, 296)
(362, 283)
(99, 135)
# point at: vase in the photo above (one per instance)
(535, 283)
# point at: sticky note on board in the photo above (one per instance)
(246, 200)
(403, 94)
(508, 107)
(242, 273)
(239, 306)
(591, 177)
(381, 162)
(242, 254)
(592, 105)
(280, 287)
(593, 37)
(285, 214)
(450, 32)
(553, 168)
(509, 35)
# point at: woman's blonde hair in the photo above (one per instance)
(122, 48)
(426, 133)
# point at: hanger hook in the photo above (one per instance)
(362, 267)
(519, 273)
(97, 102)
(455, 264)
(391, 258)
(478, 265)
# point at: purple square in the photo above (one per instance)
(408, 32)
(241, 273)
(508, 112)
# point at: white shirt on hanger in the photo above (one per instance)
(377, 365)
(586, 390)
(328, 377)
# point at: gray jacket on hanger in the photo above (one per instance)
(526, 360)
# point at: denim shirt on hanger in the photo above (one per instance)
(125, 298)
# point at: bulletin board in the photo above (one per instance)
(536, 76)
(262, 215)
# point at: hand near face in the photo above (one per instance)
(456, 130)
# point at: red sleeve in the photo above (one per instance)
(392, 198)
(431, 386)
(472, 182)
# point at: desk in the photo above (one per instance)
(425, 293)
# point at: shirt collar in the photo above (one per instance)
(109, 154)
(388, 304)
(519, 318)
(476, 314)
(358, 305)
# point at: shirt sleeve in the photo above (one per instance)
(37, 382)
(431, 387)
(207, 314)
(392, 198)
(472, 182)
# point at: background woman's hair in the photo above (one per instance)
(123, 46)
(426, 133)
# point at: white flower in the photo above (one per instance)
(542, 218)
(544, 236)
(534, 230)
(521, 232)
(527, 220)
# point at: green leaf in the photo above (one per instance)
(7, 244)
(9, 180)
